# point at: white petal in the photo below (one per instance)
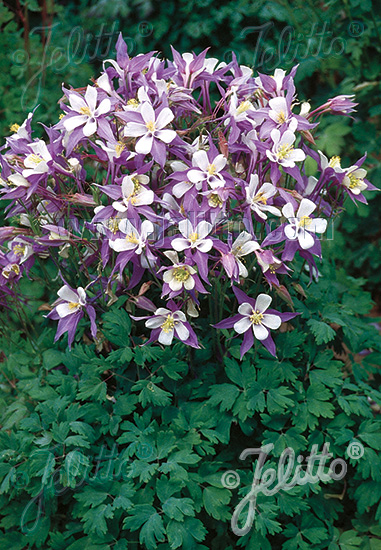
(291, 232)
(76, 102)
(168, 275)
(144, 145)
(64, 310)
(319, 225)
(148, 112)
(134, 129)
(189, 283)
(119, 206)
(195, 176)
(180, 244)
(260, 332)
(306, 208)
(166, 337)
(205, 245)
(245, 309)
(262, 302)
(103, 108)
(175, 285)
(164, 118)
(74, 121)
(219, 162)
(182, 331)
(288, 211)
(271, 321)
(203, 229)
(154, 322)
(305, 239)
(144, 197)
(90, 127)
(91, 96)
(67, 294)
(278, 104)
(200, 159)
(242, 325)
(167, 136)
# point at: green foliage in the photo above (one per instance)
(113, 450)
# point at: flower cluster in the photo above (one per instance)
(181, 176)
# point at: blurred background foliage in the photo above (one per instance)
(337, 45)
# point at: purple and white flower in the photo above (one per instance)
(283, 151)
(257, 199)
(87, 110)
(194, 238)
(153, 127)
(301, 225)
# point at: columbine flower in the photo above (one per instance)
(333, 162)
(151, 129)
(257, 198)
(283, 151)
(37, 161)
(280, 112)
(301, 225)
(72, 301)
(354, 180)
(166, 323)
(68, 311)
(134, 193)
(242, 246)
(180, 276)
(170, 323)
(134, 240)
(87, 110)
(193, 238)
(254, 320)
(21, 249)
(207, 170)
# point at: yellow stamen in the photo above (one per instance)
(256, 317)
(7, 271)
(181, 274)
(305, 221)
(133, 102)
(131, 238)
(215, 201)
(243, 107)
(137, 185)
(14, 127)
(19, 249)
(119, 147)
(113, 224)
(284, 151)
(85, 111)
(36, 159)
(193, 237)
(60, 116)
(73, 305)
(169, 324)
(260, 198)
(334, 162)
(212, 169)
(151, 127)
(281, 117)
